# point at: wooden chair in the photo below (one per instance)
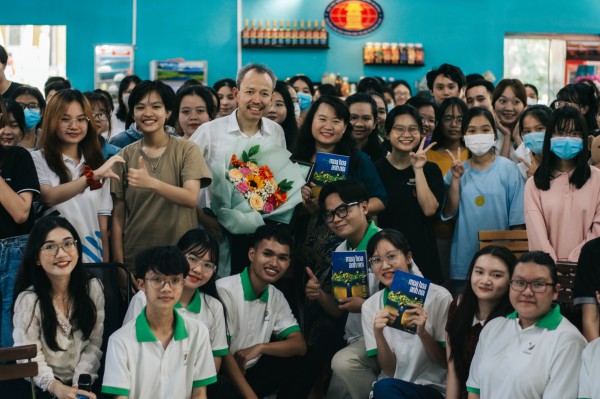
(566, 279)
(514, 240)
(12, 371)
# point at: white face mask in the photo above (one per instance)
(531, 101)
(297, 110)
(126, 99)
(479, 144)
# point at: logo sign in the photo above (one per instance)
(354, 17)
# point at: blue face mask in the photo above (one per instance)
(566, 147)
(534, 141)
(32, 118)
(304, 100)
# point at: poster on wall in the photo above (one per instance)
(175, 72)
(353, 17)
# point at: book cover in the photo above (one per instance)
(406, 288)
(328, 168)
(349, 274)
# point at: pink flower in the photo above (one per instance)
(242, 187)
(246, 171)
(268, 208)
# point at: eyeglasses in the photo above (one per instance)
(567, 134)
(429, 121)
(101, 116)
(341, 212)
(536, 286)
(560, 104)
(52, 249)
(403, 129)
(31, 106)
(159, 283)
(194, 262)
(65, 121)
(391, 258)
(447, 120)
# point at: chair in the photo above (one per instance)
(15, 371)
(514, 240)
(566, 279)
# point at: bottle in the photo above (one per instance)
(253, 34)
(302, 34)
(260, 34)
(420, 57)
(274, 34)
(288, 33)
(369, 54)
(395, 58)
(281, 33)
(338, 84)
(267, 33)
(387, 53)
(246, 34)
(403, 54)
(345, 87)
(295, 34)
(378, 53)
(309, 33)
(411, 54)
(316, 34)
(324, 36)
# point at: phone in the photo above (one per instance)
(85, 384)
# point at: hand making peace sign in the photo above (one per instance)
(457, 167)
(419, 158)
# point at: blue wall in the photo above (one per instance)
(464, 32)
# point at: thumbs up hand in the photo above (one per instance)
(139, 178)
(312, 290)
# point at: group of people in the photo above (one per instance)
(86, 182)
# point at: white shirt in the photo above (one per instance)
(217, 137)
(79, 357)
(202, 307)
(542, 360)
(253, 320)
(137, 365)
(589, 388)
(413, 364)
(82, 210)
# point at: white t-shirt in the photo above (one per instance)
(590, 370)
(542, 360)
(413, 364)
(252, 320)
(138, 366)
(82, 210)
(202, 307)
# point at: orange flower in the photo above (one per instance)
(265, 172)
(235, 161)
(255, 182)
(279, 198)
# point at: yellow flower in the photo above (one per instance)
(255, 182)
(256, 202)
(253, 167)
(235, 175)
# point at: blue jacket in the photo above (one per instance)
(132, 135)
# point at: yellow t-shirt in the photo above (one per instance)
(443, 160)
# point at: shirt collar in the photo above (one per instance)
(195, 304)
(550, 321)
(70, 160)
(143, 332)
(249, 294)
(234, 127)
(362, 245)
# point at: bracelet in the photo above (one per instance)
(48, 389)
(89, 178)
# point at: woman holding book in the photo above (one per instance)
(412, 354)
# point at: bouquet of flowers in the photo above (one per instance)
(246, 191)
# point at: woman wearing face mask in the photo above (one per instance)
(532, 129)
(101, 113)
(14, 130)
(118, 120)
(562, 201)
(33, 104)
(486, 191)
(282, 111)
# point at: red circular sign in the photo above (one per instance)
(354, 17)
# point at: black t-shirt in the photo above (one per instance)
(404, 214)
(587, 279)
(13, 86)
(18, 171)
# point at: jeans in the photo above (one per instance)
(11, 251)
(392, 388)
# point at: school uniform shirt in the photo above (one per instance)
(252, 320)
(80, 356)
(202, 307)
(590, 370)
(562, 219)
(354, 331)
(542, 360)
(18, 171)
(490, 199)
(217, 138)
(587, 279)
(137, 365)
(413, 364)
(83, 210)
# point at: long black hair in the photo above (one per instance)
(583, 95)
(289, 125)
(122, 108)
(461, 320)
(561, 119)
(438, 133)
(32, 278)
(372, 147)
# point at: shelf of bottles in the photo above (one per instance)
(396, 54)
(268, 34)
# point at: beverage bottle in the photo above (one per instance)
(420, 56)
(302, 34)
(387, 53)
(246, 34)
(288, 34)
(295, 34)
(403, 54)
(368, 53)
(324, 36)
(412, 55)
(345, 87)
(253, 34)
(378, 53)
(316, 34)
(281, 33)
(395, 54)
(260, 34)
(309, 33)
(274, 33)
(338, 84)
(267, 33)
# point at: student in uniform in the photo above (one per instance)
(256, 311)
(533, 352)
(161, 354)
(590, 367)
(417, 362)
(587, 285)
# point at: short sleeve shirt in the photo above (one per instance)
(590, 370)
(587, 279)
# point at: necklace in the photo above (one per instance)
(154, 167)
